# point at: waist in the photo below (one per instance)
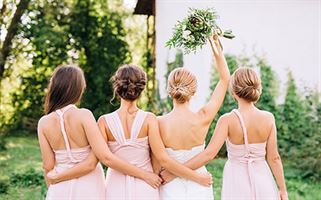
(65, 159)
(246, 160)
(184, 155)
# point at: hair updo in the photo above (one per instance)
(246, 84)
(128, 82)
(182, 85)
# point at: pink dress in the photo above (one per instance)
(135, 151)
(90, 186)
(246, 174)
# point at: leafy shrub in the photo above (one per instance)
(28, 178)
(4, 186)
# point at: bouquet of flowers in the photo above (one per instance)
(196, 29)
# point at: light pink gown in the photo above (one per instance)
(135, 151)
(88, 187)
(246, 174)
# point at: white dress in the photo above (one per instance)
(183, 189)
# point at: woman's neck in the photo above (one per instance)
(129, 106)
(245, 105)
(180, 106)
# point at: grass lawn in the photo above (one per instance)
(21, 172)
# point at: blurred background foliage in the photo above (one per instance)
(99, 36)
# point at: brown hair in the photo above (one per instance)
(182, 84)
(66, 86)
(246, 84)
(128, 82)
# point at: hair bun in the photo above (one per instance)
(246, 84)
(182, 85)
(129, 81)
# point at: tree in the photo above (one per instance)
(47, 48)
(99, 38)
(83, 32)
(270, 85)
(11, 32)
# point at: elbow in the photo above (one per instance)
(47, 167)
(274, 159)
(91, 166)
(106, 160)
(164, 161)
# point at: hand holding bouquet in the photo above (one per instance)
(196, 29)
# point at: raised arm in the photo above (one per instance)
(166, 161)
(209, 111)
(47, 154)
(99, 145)
(201, 159)
(275, 162)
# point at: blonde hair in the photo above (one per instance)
(246, 84)
(182, 84)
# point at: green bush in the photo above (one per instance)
(28, 178)
(4, 186)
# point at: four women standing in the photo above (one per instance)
(144, 153)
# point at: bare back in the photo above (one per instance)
(73, 125)
(258, 124)
(182, 130)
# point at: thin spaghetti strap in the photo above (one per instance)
(239, 116)
(137, 124)
(61, 113)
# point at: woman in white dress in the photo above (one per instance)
(183, 131)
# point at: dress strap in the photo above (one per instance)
(239, 116)
(61, 113)
(137, 124)
(114, 124)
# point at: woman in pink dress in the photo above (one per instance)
(250, 136)
(130, 132)
(62, 136)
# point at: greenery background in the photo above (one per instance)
(100, 36)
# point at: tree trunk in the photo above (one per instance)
(12, 31)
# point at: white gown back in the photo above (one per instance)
(183, 189)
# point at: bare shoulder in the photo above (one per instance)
(85, 112)
(267, 115)
(43, 121)
(226, 117)
(162, 118)
(102, 120)
(151, 117)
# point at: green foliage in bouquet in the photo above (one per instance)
(196, 29)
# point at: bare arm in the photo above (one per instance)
(47, 154)
(98, 142)
(209, 111)
(274, 160)
(79, 170)
(166, 161)
(201, 159)
(156, 165)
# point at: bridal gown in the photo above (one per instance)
(183, 189)
(87, 187)
(246, 174)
